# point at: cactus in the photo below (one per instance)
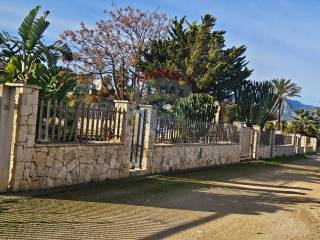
(197, 106)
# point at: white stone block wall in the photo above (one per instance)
(264, 151)
(55, 165)
(283, 150)
(171, 157)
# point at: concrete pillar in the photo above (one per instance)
(295, 143)
(256, 141)
(126, 137)
(149, 136)
(314, 144)
(6, 130)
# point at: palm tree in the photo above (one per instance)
(25, 54)
(285, 89)
(303, 122)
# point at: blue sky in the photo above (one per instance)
(282, 36)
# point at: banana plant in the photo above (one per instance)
(24, 54)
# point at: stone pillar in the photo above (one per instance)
(273, 142)
(6, 130)
(304, 143)
(295, 143)
(256, 141)
(149, 136)
(25, 120)
(126, 137)
(314, 144)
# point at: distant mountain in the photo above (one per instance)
(292, 106)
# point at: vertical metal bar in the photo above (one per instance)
(118, 124)
(74, 127)
(76, 124)
(46, 137)
(114, 124)
(54, 115)
(103, 113)
(87, 122)
(40, 120)
(106, 126)
(60, 120)
(92, 123)
(82, 121)
(98, 123)
(66, 113)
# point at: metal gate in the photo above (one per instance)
(246, 143)
(138, 138)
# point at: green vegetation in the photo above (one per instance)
(198, 52)
(285, 89)
(28, 59)
(180, 65)
(197, 106)
(255, 101)
(306, 123)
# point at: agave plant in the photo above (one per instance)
(24, 55)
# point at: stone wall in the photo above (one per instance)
(34, 166)
(171, 157)
(300, 150)
(40, 166)
(283, 150)
(56, 165)
(264, 151)
(309, 149)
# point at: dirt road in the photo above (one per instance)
(254, 200)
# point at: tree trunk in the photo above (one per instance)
(279, 116)
(220, 116)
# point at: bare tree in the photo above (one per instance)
(111, 50)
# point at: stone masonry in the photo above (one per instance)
(56, 165)
(172, 157)
(33, 166)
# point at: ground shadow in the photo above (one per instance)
(160, 206)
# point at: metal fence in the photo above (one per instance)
(171, 129)
(308, 141)
(281, 139)
(60, 122)
(265, 138)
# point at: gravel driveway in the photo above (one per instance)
(256, 200)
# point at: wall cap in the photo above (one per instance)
(39, 145)
(194, 144)
(123, 101)
(23, 85)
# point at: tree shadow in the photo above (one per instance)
(160, 206)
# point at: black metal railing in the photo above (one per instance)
(60, 122)
(171, 129)
(281, 139)
(265, 138)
